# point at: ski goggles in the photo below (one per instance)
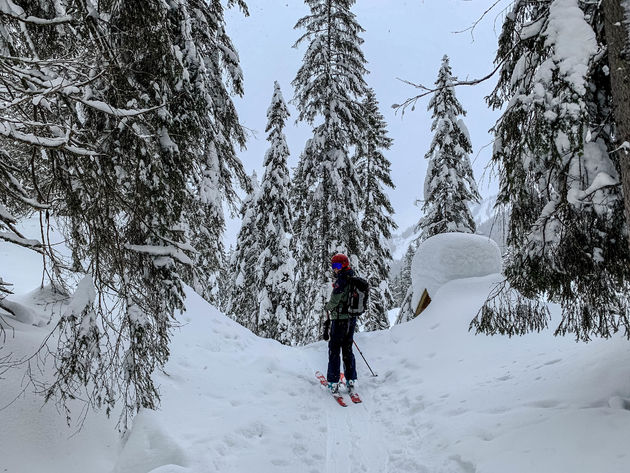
(337, 266)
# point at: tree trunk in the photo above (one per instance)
(618, 50)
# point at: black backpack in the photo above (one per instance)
(358, 295)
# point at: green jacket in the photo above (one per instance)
(339, 296)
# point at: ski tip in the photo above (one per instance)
(340, 401)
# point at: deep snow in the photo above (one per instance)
(444, 400)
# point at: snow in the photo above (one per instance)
(18, 311)
(444, 400)
(5, 215)
(448, 256)
(83, 296)
(573, 41)
(169, 251)
(12, 237)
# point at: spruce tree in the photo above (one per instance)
(243, 305)
(406, 287)
(328, 88)
(449, 186)
(132, 148)
(275, 264)
(558, 175)
(373, 171)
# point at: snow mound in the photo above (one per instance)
(449, 256)
(149, 448)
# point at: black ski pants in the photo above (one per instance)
(341, 339)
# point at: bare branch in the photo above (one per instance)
(411, 102)
(472, 27)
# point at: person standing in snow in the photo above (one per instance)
(342, 326)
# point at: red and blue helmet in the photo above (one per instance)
(340, 261)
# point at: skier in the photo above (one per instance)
(342, 327)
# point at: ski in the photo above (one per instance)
(324, 382)
(354, 397)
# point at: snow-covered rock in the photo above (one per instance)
(448, 256)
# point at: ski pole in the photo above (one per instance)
(368, 365)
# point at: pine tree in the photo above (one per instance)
(328, 86)
(132, 150)
(373, 171)
(394, 286)
(558, 176)
(449, 185)
(275, 264)
(406, 284)
(242, 305)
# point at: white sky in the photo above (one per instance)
(403, 39)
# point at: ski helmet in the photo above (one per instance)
(340, 261)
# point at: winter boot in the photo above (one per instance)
(334, 387)
(351, 384)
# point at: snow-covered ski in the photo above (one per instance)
(324, 382)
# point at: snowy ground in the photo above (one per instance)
(444, 401)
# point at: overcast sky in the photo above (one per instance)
(403, 39)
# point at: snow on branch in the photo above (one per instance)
(117, 112)
(83, 297)
(15, 12)
(12, 237)
(8, 130)
(15, 189)
(5, 216)
(170, 251)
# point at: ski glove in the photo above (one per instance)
(326, 334)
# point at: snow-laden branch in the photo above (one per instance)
(116, 112)
(50, 86)
(5, 216)
(15, 189)
(15, 12)
(18, 240)
(170, 251)
(9, 131)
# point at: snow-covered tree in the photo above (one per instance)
(558, 175)
(328, 87)
(275, 264)
(242, 304)
(262, 293)
(449, 186)
(398, 293)
(131, 135)
(373, 170)
(406, 290)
